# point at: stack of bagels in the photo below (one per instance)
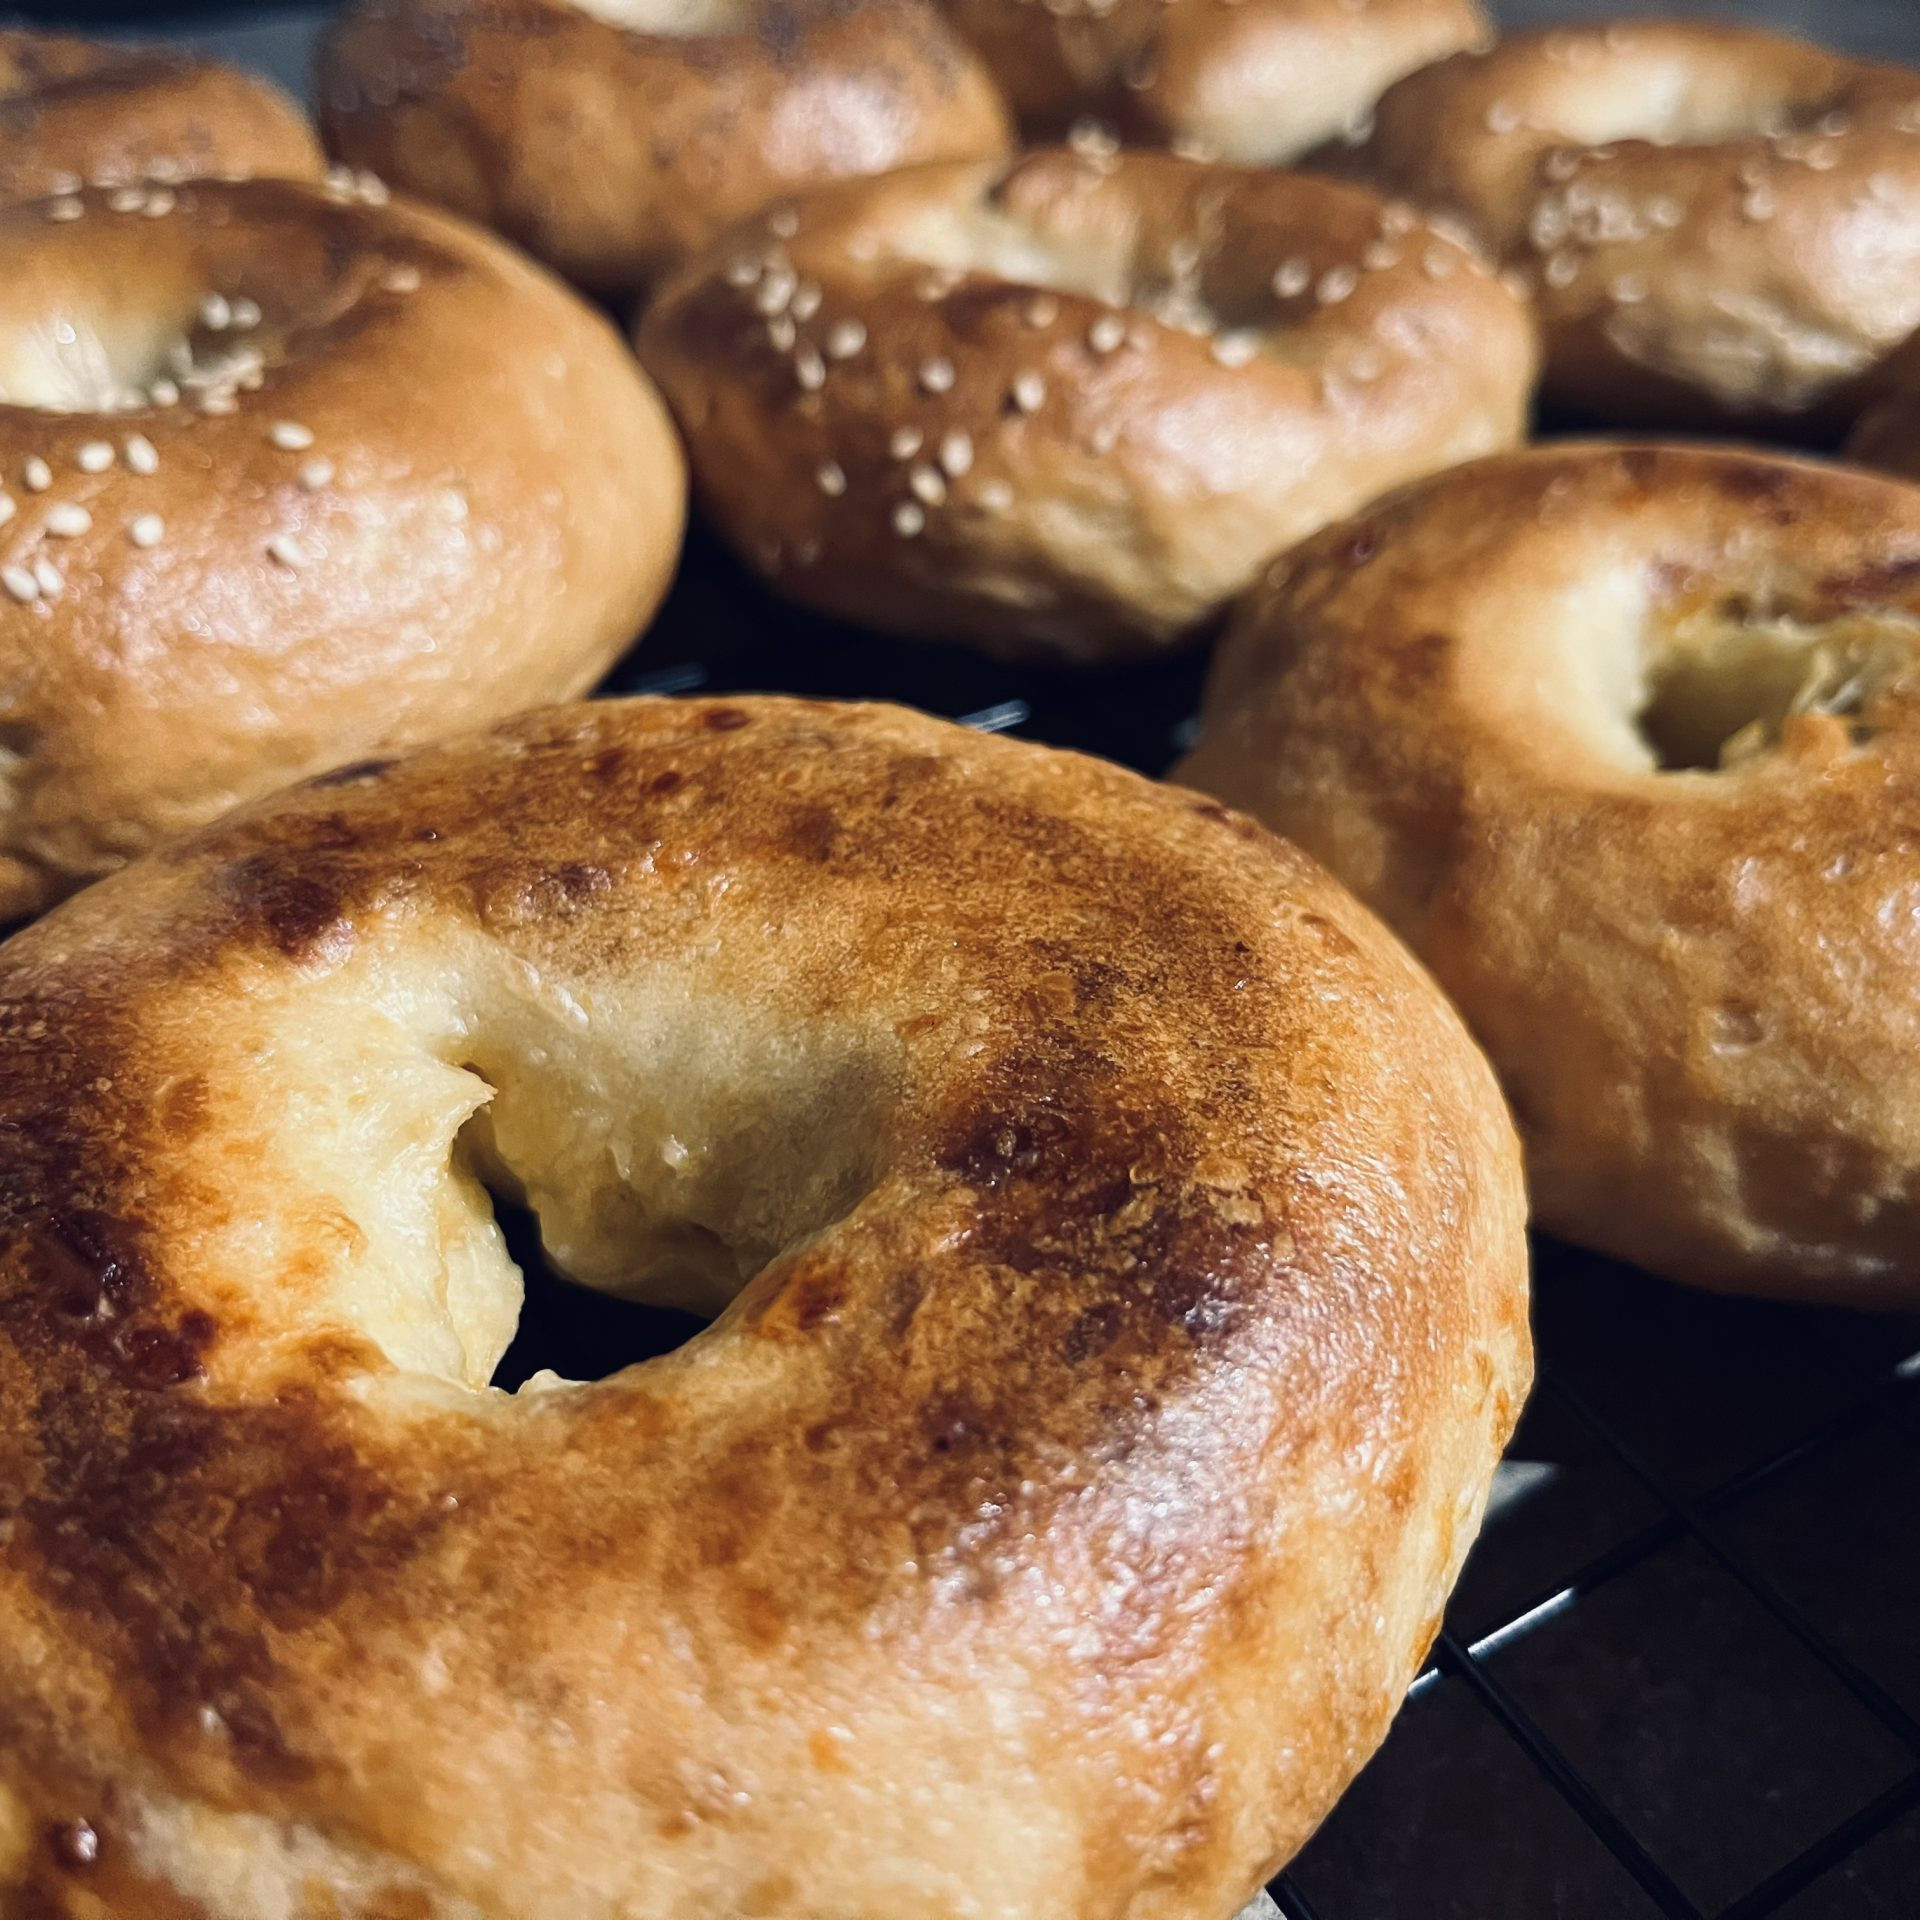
(1107, 1198)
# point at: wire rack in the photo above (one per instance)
(1681, 1673)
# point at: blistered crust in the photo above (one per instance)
(1050, 1527)
(1699, 980)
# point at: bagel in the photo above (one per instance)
(1069, 408)
(1625, 742)
(74, 111)
(612, 138)
(287, 476)
(1887, 435)
(1719, 223)
(1119, 1317)
(1255, 83)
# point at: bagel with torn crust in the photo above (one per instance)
(1718, 223)
(1256, 83)
(1069, 408)
(1625, 743)
(289, 475)
(1119, 1314)
(76, 112)
(611, 138)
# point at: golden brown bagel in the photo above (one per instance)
(1070, 408)
(1626, 743)
(285, 477)
(1120, 1315)
(76, 111)
(1718, 222)
(1256, 83)
(613, 137)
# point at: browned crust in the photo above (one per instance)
(480, 504)
(1719, 223)
(945, 403)
(1094, 1483)
(613, 153)
(74, 111)
(1256, 83)
(1702, 989)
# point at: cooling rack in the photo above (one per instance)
(1681, 1674)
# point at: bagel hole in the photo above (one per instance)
(70, 362)
(1723, 687)
(640, 1189)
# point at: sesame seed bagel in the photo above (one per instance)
(1720, 223)
(1119, 1316)
(1625, 742)
(611, 138)
(1069, 408)
(74, 111)
(1256, 83)
(286, 476)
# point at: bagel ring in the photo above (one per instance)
(1069, 408)
(1120, 1317)
(287, 476)
(1625, 742)
(1255, 83)
(74, 112)
(1719, 223)
(611, 138)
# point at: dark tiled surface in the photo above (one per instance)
(1880, 1882)
(1718, 1740)
(1480, 1834)
(1810, 1533)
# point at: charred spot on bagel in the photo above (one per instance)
(304, 916)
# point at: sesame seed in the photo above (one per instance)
(65, 183)
(159, 203)
(1234, 349)
(782, 333)
(147, 531)
(163, 393)
(1379, 256)
(7, 508)
(775, 290)
(160, 167)
(1042, 310)
(1104, 438)
(218, 400)
(1029, 392)
(1563, 270)
(845, 338)
(1335, 285)
(1628, 289)
(373, 190)
(742, 270)
(1437, 263)
(936, 375)
(315, 474)
(906, 442)
(956, 453)
(51, 580)
(126, 200)
(20, 584)
(832, 478)
(1502, 117)
(1291, 278)
(784, 222)
(1665, 213)
(1833, 125)
(288, 551)
(66, 521)
(1821, 159)
(67, 209)
(290, 436)
(246, 313)
(36, 474)
(1758, 205)
(402, 280)
(216, 315)
(996, 495)
(929, 484)
(1106, 333)
(909, 518)
(1396, 218)
(809, 369)
(141, 455)
(806, 301)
